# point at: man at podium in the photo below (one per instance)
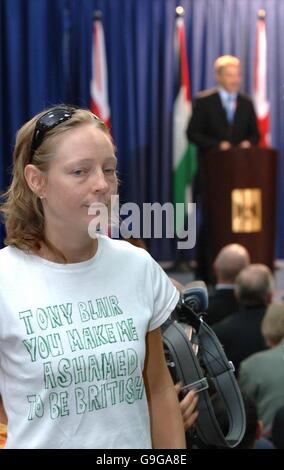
(223, 117)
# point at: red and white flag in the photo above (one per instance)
(99, 81)
(261, 103)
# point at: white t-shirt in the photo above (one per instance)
(72, 346)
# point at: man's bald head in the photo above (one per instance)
(229, 262)
(254, 285)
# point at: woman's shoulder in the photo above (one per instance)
(126, 254)
(125, 247)
(8, 252)
(8, 256)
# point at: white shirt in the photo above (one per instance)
(72, 346)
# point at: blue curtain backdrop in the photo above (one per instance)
(45, 58)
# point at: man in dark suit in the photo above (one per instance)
(223, 117)
(227, 265)
(240, 333)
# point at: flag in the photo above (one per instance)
(184, 152)
(99, 80)
(260, 82)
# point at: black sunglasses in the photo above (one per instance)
(47, 122)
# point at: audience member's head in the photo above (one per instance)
(272, 326)
(277, 430)
(254, 286)
(229, 262)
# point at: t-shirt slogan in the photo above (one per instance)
(100, 379)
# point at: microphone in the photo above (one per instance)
(196, 296)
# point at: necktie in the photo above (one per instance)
(230, 108)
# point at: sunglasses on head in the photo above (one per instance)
(48, 121)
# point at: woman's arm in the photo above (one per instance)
(3, 417)
(166, 421)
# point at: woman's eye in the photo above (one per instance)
(78, 172)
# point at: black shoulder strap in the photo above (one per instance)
(222, 375)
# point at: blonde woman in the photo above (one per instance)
(82, 361)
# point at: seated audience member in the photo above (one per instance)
(261, 375)
(277, 431)
(227, 265)
(240, 332)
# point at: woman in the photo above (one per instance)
(82, 363)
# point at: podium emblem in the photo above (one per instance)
(246, 210)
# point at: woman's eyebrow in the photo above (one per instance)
(78, 160)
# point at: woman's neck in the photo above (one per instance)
(68, 251)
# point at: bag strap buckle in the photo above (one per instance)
(198, 386)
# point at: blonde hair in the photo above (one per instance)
(272, 326)
(225, 60)
(22, 209)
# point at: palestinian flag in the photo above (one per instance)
(184, 152)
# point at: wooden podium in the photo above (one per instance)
(239, 190)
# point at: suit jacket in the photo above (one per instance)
(209, 125)
(222, 303)
(261, 377)
(240, 334)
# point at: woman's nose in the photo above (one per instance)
(99, 181)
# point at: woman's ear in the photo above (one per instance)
(35, 180)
